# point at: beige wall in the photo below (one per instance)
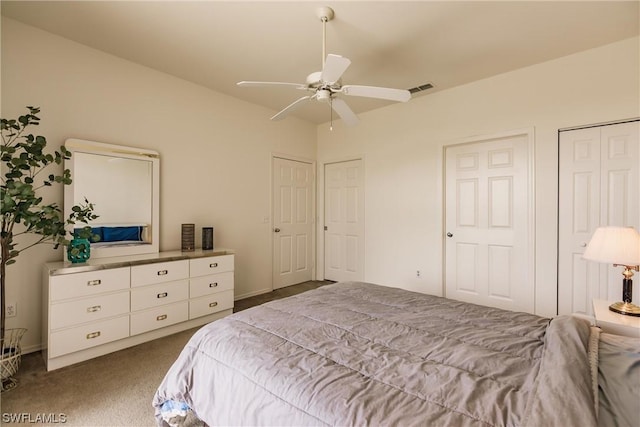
(402, 146)
(215, 150)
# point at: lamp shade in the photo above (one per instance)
(614, 245)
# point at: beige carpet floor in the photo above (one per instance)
(112, 390)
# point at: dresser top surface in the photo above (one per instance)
(65, 267)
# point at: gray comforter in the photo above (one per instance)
(355, 354)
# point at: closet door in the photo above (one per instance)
(599, 184)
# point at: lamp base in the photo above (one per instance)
(625, 308)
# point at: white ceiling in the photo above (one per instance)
(390, 43)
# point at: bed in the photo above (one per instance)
(357, 354)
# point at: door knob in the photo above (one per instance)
(276, 230)
(449, 234)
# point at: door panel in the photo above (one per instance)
(579, 191)
(344, 221)
(488, 255)
(293, 222)
(599, 184)
(620, 164)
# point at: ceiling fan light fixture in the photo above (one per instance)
(323, 95)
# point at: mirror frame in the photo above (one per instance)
(120, 151)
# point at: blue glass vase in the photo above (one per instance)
(79, 250)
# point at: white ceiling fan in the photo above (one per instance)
(326, 85)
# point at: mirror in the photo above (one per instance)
(123, 185)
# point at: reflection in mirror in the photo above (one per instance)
(123, 202)
(122, 183)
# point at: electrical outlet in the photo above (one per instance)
(417, 273)
(11, 310)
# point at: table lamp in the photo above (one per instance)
(619, 246)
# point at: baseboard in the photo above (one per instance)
(252, 294)
(31, 348)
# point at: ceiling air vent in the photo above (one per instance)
(420, 88)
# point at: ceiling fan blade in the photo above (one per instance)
(289, 108)
(270, 84)
(334, 67)
(344, 111)
(400, 95)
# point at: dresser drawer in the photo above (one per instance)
(206, 285)
(84, 310)
(159, 317)
(159, 272)
(210, 265)
(89, 335)
(210, 304)
(88, 283)
(157, 295)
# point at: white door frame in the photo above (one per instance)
(530, 137)
(319, 271)
(314, 257)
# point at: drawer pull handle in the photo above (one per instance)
(94, 282)
(213, 285)
(94, 309)
(213, 265)
(213, 304)
(163, 295)
(163, 272)
(93, 335)
(161, 317)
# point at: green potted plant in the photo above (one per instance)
(24, 160)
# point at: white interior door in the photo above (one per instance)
(599, 184)
(344, 221)
(620, 194)
(578, 217)
(489, 256)
(292, 222)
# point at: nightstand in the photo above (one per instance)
(614, 323)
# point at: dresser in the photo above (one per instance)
(109, 304)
